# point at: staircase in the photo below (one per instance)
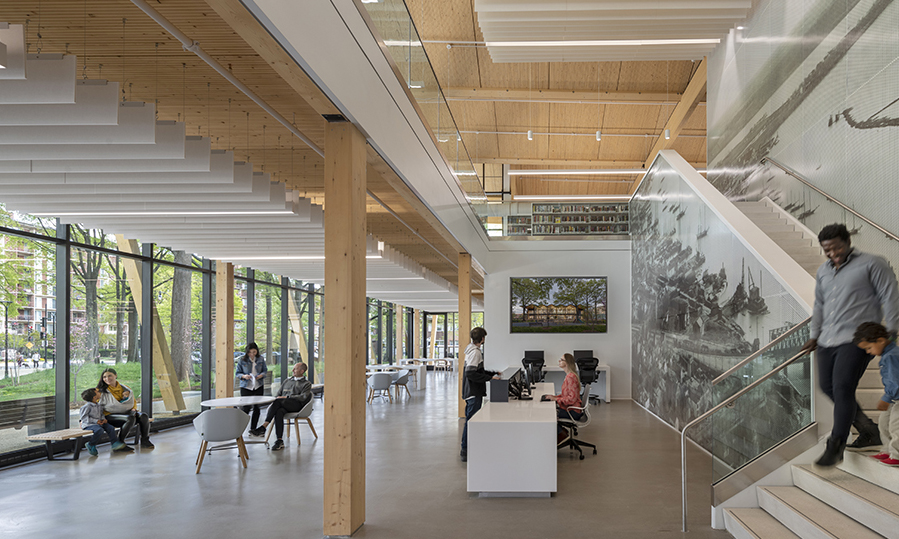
(860, 498)
(857, 500)
(802, 245)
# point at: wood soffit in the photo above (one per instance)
(630, 102)
(152, 67)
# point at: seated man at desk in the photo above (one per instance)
(570, 396)
(474, 382)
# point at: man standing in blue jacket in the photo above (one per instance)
(474, 382)
(850, 288)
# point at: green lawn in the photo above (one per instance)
(43, 383)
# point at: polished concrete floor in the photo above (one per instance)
(416, 485)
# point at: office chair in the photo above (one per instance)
(586, 368)
(573, 425)
(533, 368)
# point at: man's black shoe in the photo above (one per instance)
(867, 440)
(464, 458)
(833, 454)
(279, 445)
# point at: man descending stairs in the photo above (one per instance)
(802, 245)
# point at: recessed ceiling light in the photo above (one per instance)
(604, 43)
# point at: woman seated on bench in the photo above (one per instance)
(121, 409)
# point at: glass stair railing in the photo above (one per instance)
(764, 400)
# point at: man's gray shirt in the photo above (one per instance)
(863, 289)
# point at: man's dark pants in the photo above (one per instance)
(839, 370)
(472, 406)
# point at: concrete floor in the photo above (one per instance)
(416, 485)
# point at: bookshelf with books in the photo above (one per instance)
(552, 219)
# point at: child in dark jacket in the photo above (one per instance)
(93, 419)
(874, 339)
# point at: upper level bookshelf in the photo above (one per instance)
(561, 219)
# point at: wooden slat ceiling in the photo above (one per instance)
(629, 129)
(153, 68)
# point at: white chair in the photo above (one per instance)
(441, 365)
(380, 382)
(296, 417)
(222, 425)
(401, 380)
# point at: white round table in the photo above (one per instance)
(237, 401)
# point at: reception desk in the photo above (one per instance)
(512, 447)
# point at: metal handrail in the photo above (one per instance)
(726, 402)
(761, 351)
(796, 175)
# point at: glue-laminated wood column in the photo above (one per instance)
(345, 320)
(224, 330)
(400, 333)
(464, 320)
(416, 334)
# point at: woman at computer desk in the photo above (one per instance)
(570, 396)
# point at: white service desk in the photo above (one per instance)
(512, 448)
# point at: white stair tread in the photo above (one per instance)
(817, 514)
(757, 524)
(866, 502)
(860, 464)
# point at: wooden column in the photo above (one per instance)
(416, 333)
(400, 333)
(433, 345)
(345, 318)
(464, 320)
(224, 330)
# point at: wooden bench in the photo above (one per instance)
(18, 413)
(59, 435)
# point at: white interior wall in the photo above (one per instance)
(610, 259)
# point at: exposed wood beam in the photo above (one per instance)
(248, 28)
(695, 90)
(559, 96)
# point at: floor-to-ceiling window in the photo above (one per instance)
(144, 310)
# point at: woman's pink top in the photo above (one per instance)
(571, 392)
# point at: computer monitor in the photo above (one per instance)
(578, 354)
(517, 385)
(534, 354)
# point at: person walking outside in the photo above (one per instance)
(474, 382)
(850, 288)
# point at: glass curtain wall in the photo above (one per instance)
(144, 310)
(28, 343)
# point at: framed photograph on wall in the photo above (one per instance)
(558, 304)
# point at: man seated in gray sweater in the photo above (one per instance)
(294, 394)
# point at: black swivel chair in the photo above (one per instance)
(533, 368)
(586, 368)
(573, 425)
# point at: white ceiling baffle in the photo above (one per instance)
(70, 149)
(96, 103)
(13, 38)
(169, 144)
(605, 30)
(51, 79)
